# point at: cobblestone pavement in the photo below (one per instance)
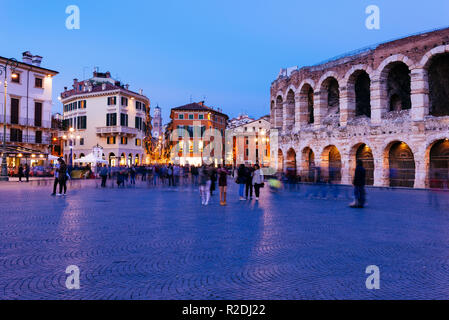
(145, 243)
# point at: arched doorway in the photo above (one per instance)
(365, 154)
(330, 93)
(331, 161)
(401, 165)
(291, 162)
(306, 103)
(130, 160)
(112, 160)
(308, 164)
(438, 72)
(280, 161)
(122, 159)
(439, 164)
(136, 160)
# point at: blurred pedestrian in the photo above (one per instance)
(359, 186)
(258, 181)
(241, 180)
(204, 182)
(222, 183)
(103, 175)
(20, 172)
(249, 172)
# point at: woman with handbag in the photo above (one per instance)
(258, 181)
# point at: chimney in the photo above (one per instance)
(65, 88)
(27, 57)
(141, 92)
(103, 86)
(37, 61)
(126, 86)
(108, 74)
(75, 82)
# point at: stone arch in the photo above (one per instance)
(123, 159)
(394, 74)
(400, 161)
(291, 162)
(137, 159)
(438, 80)
(438, 164)
(351, 99)
(329, 94)
(289, 110)
(280, 160)
(307, 164)
(112, 159)
(331, 163)
(306, 102)
(361, 151)
(130, 159)
(279, 112)
(359, 85)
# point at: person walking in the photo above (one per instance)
(132, 175)
(222, 183)
(249, 182)
(171, 179)
(56, 176)
(20, 173)
(359, 186)
(104, 176)
(213, 180)
(62, 175)
(258, 181)
(204, 182)
(241, 180)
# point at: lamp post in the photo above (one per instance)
(12, 63)
(71, 138)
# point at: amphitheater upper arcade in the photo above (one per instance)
(390, 103)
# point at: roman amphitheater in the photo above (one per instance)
(387, 105)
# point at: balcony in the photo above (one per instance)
(24, 139)
(26, 122)
(117, 130)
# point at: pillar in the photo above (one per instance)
(378, 101)
(419, 94)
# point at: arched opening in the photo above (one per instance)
(439, 85)
(130, 160)
(280, 160)
(290, 110)
(81, 155)
(401, 165)
(365, 154)
(122, 159)
(362, 89)
(137, 160)
(306, 104)
(331, 162)
(398, 87)
(439, 164)
(273, 114)
(308, 164)
(279, 112)
(291, 162)
(112, 159)
(330, 94)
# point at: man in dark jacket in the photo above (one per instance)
(359, 185)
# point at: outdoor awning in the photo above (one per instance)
(90, 158)
(14, 151)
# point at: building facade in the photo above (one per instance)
(102, 111)
(387, 105)
(28, 111)
(193, 127)
(249, 143)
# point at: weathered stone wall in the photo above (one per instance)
(388, 67)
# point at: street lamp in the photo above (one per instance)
(13, 64)
(71, 138)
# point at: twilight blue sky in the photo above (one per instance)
(228, 51)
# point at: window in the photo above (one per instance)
(38, 114)
(200, 116)
(124, 101)
(112, 101)
(247, 152)
(15, 78)
(14, 111)
(82, 104)
(82, 122)
(38, 137)
(16, 135)
(123, 140)
(110, 140)
(123, 119)
(190, 116)
(140, 105)
(38, 82)
(139, 123)
(138, 142)
(181, 116)
(81, 141)
(111, 119)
